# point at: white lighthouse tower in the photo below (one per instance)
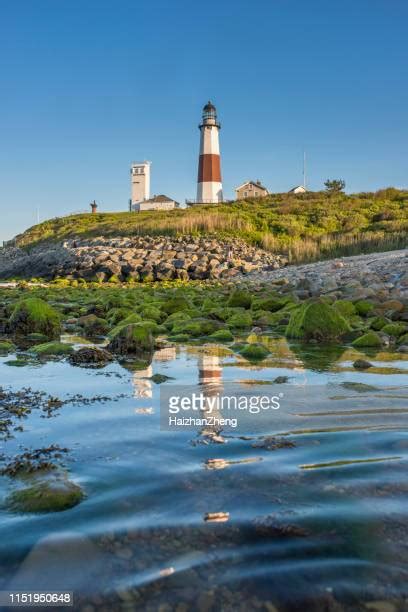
(140, 180)
(209, 184)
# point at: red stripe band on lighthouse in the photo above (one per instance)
(209, 168)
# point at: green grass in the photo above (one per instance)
(305, 227)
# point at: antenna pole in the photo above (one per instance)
(304, 169)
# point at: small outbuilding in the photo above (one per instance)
(251, 189)
(159, 202)
(298, 189)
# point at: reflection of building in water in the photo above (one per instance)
(209, 371)
(142, 387)
(165, 354)
(210, 383)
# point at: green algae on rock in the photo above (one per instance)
(50, 494)
(222, 335)
(394, 329)
(240, 298)
(364, 307)
(317, 320)
(93, 325)
(254, 352)
(51, 348)
(133, 339)
(240, 320)
(6, 347)
(370, 339)
(34, 315)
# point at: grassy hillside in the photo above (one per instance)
(305, 227)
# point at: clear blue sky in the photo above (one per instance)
(88, 86)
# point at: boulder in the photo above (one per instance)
(6, 347)
(240, 298)
(90, 355)
(394, 329)
(93, 325)
(51, 349)
(370, 339)
(254, 352)
(316, 321)
(65, 560)
(134, 339)
(34, 315)
(53, 493)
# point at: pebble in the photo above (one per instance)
(216, 517)
(124, 553)
(362, 364)
(167, 571)
(381, 606)
(357, 277)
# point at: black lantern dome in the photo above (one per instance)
(210, 114)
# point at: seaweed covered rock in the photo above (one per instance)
(91, 355)
(93, 325)
(51, 348)
(240, 298)
(152, 312)
(176, 317)
(363, 307)
(254, 352)
(52, 494)
(345, 308)
(133, 339)
(6, 347)
(222, 335)
(394, 329)
(317, 321)
(271, 303)
(240, 320)
(177, 303)
(378, 323)
(115, 315)
(34, 315)
(370, 339)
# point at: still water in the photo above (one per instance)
(316, 522)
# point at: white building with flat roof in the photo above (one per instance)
(157, 202)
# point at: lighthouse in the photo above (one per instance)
(209, 185)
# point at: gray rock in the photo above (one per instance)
(68, 561)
